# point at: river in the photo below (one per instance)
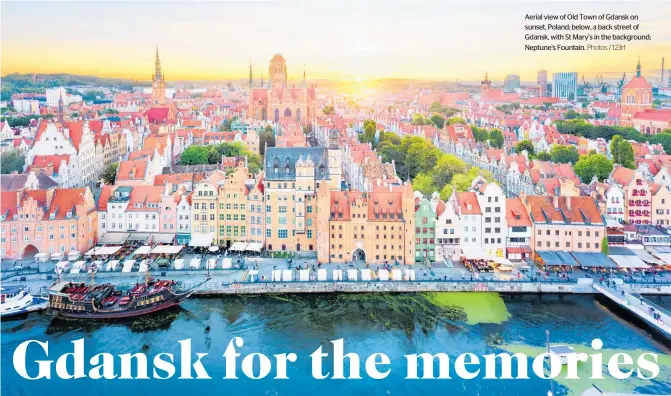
(397, 325)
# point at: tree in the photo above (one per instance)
(12, 161)
(93, 95)
(328, 110)
(445, 169)
(592, 165)
(435, 107)
(480, 134)
(194, 155)
(266, 137)
(423, 184)
(604, 246)
(438, 121)
(525, 145)
(419, 119)
(109, 173)
(564, 154)
(455, 120)
(615, 148)
(626, 154)
(496, 138)
(543, 156)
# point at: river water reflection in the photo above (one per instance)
(397, 325)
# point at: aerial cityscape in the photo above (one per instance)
(309, 197)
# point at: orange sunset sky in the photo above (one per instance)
(445, 40)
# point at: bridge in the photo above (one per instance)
(656, 316)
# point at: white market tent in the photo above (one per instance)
(194, 264)
(365, 274)
(227, 263)
(57, 256)
(74, 256)
(201, 240)
(128, 265)
(212, 263)
(144, 266)
(474, 253)
(321, 274)
(277, 276)
(396, 274)
(113, 238)
(254, 247)
(286, 275)
(103, 250)
(76, 267)
(252, 274)
(162, 238)
(631, 262)
(179, 264)
(304, 275)
(238, 247)
(352, 274)
(62, 266)
(42, 257)
(383, 274)
(409, 274)
(167, 249)
(647, 257)
(337, 274)
(111, 265)
(142, 250)
(96, 266)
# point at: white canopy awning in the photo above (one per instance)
(103, 250)
(42, 256)
(128, 265)
(194, 264)
(113, 238)
(238, 247)
(179, 264)
(74, 254)
(157, 238)
(142, 250)
(254, 247)
(201, 240)
(647, 257)
(383, 274)
(474, 253)
(167, 249)
(56, 256)
(212, 263)
(111, 265)
(144, 266)
(352, 274)
(633, 262)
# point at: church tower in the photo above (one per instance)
(486, 85)
(251, 82)
(158, 83)
(636, 97)
(60, 108)
(278, 72)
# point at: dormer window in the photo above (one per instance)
(52, 216)
(68, 215)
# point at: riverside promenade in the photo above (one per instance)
(646, 310)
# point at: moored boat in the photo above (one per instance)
(105, 301)
(15, 300)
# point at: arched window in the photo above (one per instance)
(298, 115)
(287, 112)
(277, 115)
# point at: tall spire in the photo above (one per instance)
(305, 84)
(638, 67)
(157, 66)
(251, 83)
(60, 107)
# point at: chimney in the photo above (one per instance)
(555, 202)
(568, 203)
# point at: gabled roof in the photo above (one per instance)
(569, 210)
(468, 203)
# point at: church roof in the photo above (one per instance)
(638, 83)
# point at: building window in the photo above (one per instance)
(282, 234)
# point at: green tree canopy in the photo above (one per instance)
(328, 109)
(496, 138)
(435, 107)
(423, 184)
(109, 173)
(446, 168)
(480, 134)
(543, 156)
(12, 161)
(455, 120)
(592, 165)
(564, 154)
(525, 145)
(438, 120)
(266, 137)
(622, 152)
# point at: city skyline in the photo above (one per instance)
(216, 41)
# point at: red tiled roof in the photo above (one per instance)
(135, 167)
(583, 210)
(65, 200)
(623, 176)
(638, 83)
(466, 199)
(516, 213)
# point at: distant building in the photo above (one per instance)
(55, 94)
(565, 85)
(542, 81)
(511, 83)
